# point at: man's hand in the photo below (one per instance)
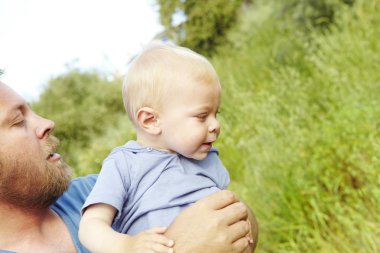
(254, 232)
(214, 224)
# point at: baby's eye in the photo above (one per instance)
(202, 116)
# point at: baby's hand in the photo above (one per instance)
(151, 241)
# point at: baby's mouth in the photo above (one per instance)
(208, 144)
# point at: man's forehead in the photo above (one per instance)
(8, 97)
(10, 102)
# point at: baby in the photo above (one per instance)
(172, 96)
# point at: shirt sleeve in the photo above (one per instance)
(223, 175)
(112, 184)
(220, 173)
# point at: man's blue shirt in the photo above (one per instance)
(69, 205)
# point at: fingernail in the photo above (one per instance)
(170, 243)
(171, 251)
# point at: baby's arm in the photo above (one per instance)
(97, 235)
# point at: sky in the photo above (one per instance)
(41, 39)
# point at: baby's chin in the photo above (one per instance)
(198, 156)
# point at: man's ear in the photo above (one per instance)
(147, 118)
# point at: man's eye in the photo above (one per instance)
(20, 123)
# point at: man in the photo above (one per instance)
(40, 207)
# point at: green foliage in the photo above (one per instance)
(99, 147)
(205, 23)
(83, 105)
(312, 13)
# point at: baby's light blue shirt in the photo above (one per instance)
(149, 187)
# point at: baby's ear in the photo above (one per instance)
(147, 118)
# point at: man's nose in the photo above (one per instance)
(44, 126)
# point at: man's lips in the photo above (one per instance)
(51, 145)
(53, 157)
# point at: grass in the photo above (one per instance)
(301, 132)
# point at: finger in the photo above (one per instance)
(159, 248)
(156, 230)
(160, 239)
(219, 199)
(250, 239)
(249, 234)
(234, 213)
(238, 230)
(240, 245)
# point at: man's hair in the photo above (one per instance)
(158, 69)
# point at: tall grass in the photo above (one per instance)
(301, 117)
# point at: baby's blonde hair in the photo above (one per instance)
(159, 69)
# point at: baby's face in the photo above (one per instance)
(188, 120)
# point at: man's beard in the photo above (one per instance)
(27, 185)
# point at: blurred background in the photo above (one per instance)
(300, 111)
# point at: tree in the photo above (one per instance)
(199, 25)
(82, 105)
(313, 13)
